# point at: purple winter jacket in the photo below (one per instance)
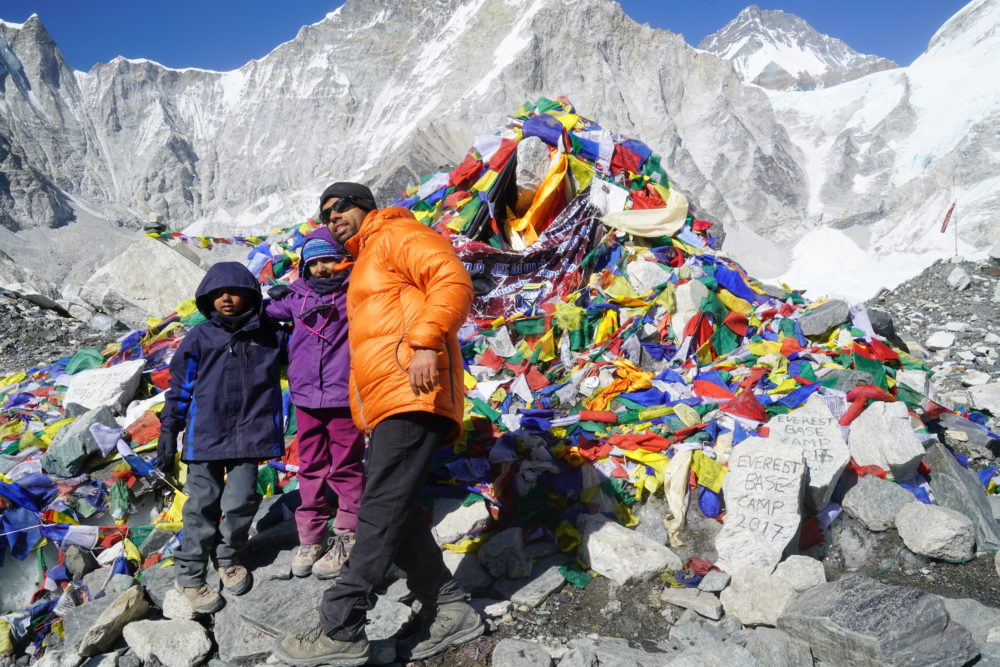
(319, 357)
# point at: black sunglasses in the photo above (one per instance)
(341, 205)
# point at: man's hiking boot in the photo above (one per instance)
(329, 565)
(453, 623)
(203, 598)
(305, 556)
(235, 578)
(313, 647)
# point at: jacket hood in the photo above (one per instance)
(227, 274)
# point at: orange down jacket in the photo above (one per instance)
(408, 291)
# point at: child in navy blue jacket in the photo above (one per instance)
(225, 394)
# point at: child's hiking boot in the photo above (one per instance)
(314, 647)
(453, 623)
(203, 598)
(235, 578)
(329, 565)
(305, 556)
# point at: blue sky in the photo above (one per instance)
(223, 35)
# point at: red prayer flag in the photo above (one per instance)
(947, 217)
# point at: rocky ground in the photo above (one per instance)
(956, 328)
(871, 576)
(31, 335)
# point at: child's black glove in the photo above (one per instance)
(278, 291)
(166, 450)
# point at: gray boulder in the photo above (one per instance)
(504, 555)
(874, 501)
(819, 320)
(172, 643)
(519, 653)
(936, 532)
(959, 489)
(775, 648)
(617, 652)
(93, 628)
(74, 443)
(859, 621)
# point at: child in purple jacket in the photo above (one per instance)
(330, 446)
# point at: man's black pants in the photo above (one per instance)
(392, 528)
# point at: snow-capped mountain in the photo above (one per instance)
(886, 155)
(376, 91)
(384, 92)
(780, 51)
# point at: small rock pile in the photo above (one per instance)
(31, 334)
(948, 314)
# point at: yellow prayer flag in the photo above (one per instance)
(607, 326)
(709, 472)
(185, 308)
(733, 302)
(485, 181)
(131, 552)
(569, 120)
(13, 379)
(568, 536)
(688, 415)
(547, 346)
(582, 172)
(50, 431)
(625, 516)
(467, 546)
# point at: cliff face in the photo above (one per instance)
(385, 92)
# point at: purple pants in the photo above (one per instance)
(331, 451)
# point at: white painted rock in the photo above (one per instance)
(756, 597)
(620, 554)
(801, 572)
(936, 532)
(883, 436)
(112, 386)
(814, 428)
(763, 492)
(175, 643)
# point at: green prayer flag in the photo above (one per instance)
(85, 359)
(575, 575)
(872, 367)
(267, 481)
(529, 326)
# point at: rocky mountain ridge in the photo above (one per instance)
(780, 51)
(399, 90)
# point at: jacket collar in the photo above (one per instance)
(373, 223)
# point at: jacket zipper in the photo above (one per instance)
(361, 409)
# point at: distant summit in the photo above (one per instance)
(780, 51)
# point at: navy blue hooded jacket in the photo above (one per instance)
(225, 384)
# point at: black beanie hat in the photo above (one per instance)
(361, 195)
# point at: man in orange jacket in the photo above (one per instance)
(407, 298)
